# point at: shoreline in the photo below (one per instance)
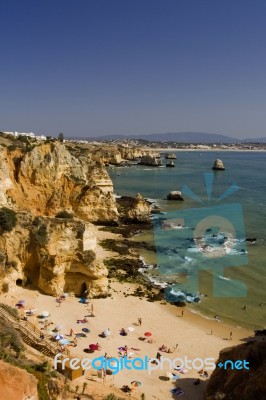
(203, 150)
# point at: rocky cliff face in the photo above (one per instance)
(49, 179)
(240, 384)
(134, 209)
(57, 192)
(116, 154)
(54, 254)
(16, 383)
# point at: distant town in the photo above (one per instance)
(140, 143)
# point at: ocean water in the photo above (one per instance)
(246, 170)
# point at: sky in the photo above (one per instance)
(98, 67)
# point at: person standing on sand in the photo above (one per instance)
(140, 321)
(231, 335)
(182, 313)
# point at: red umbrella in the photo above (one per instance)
(147, 334)
(94, 346)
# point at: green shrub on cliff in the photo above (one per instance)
(8, 219)
(41, 235)
(64, 215)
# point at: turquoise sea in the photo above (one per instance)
(247, 171)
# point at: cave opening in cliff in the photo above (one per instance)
(19, 282)
(84, 289)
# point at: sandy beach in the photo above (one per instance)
(195, 336)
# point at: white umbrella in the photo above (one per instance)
(131, 329)
(45, 314)
(59, 337)
(107, 332)
(58, 327)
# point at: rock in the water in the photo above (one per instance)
(134, 209)
(175, 195)
(170, 164)
(218, 165)
(151, 160)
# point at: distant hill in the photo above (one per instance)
(181, 137)
(255, 140)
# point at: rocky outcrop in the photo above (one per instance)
(170, 164)
(218, 165)
(16, 383)
(227, 383)
(170, 156)
(55, 255)
(49, 179)
(150, 160)
(118, 154)
(134, 209)
(175, 195)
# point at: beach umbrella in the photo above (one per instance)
(58, 327)
(121, 348)
(107, 332)
(135, 383)
(65, 295)
(131, 329)
(22, 302)
(58, 337)
(93, 346)
(45, 314)
(147, 334)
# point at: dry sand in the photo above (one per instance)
(191, 332)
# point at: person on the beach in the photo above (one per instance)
(140, 321)
(245, 307)
(182, 313)
(126, 350)
(158, 356)
(71, 332)
(92, 310)
(169, 350)
(231, 335)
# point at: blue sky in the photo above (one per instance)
(89, 68)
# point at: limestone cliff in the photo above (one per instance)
(240, 383)
(117, 154)
(134, 209)
(16, 383)
(49, 179)
(54, 254)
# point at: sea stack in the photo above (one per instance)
(175, 195)
(218, 165)
(170, 156)
(170, 164)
